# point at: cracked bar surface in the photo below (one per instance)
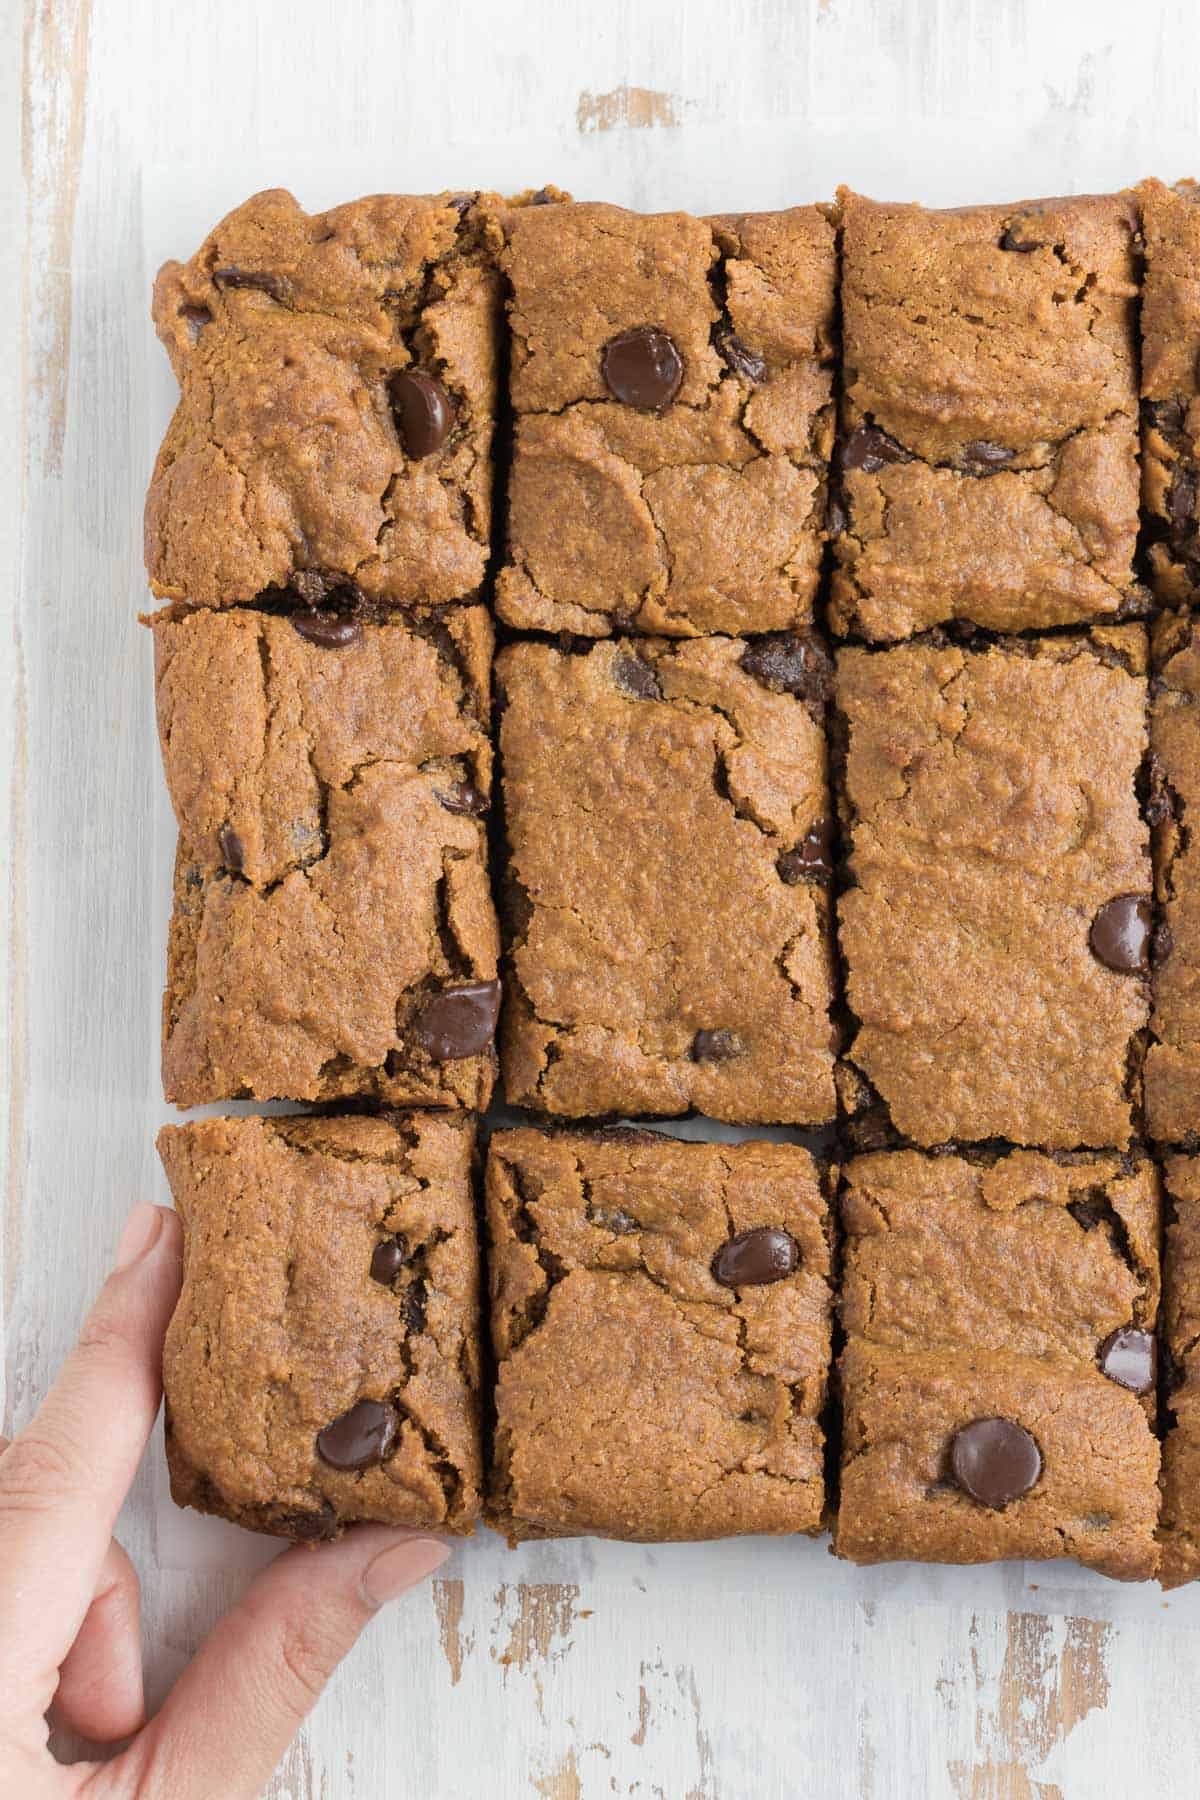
(638, 1397)
(991, 807)
(282, 1328)
(332, 878)
(1170, 326)
(1173, 1056)
(668, 940)
(288, 454)
(988, 444)
(705, 513)
(1180, 1520)
(988, 1290)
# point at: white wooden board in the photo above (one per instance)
(749, 1669)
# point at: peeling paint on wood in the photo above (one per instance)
(448, 1604)
(536, 1615)
(637, 107)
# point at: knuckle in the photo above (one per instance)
(103, 1335)
(34, 1471)
(308, 1654)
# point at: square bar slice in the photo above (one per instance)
(996, 927)
(668, 824)
(337, 377)
(661, 1324)
(334, 932)
(1179, 1530)
(1171, 386)
(322, 1365)
(672, 389)
(989, 435)
(998, 1382)
(1173, 1056)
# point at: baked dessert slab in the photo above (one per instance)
(668, 823)
(996, 927)
(322, 1364)
(1170, 333)
(1173, 1056)
(333, 932)
(999, 1374)
(1179, 1530)
(337, 375)
(661, 1326)
(671, 382)
(987, 456)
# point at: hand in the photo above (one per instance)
(70, 1633)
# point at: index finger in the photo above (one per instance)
(63, 1478)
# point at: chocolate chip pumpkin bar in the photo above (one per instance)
(333, 931)
(1173, 1056)
(987, 455)
(671, 384)
(999, 1373)
(322, 1365)
(661, 1325)
(668, 921)
(996, 922)
(337, 373)
(1179, 1530)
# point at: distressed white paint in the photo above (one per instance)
(740, 1670)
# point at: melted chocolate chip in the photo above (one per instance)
(465, 798)
(331, 631)
(812, 858)
(984, 455)
(231, 276)
(717, 1046)
(462, 202)
(459, 1021)
(195, 318)
(642, 368)
(611, 1218)
(743, 361)
(754, 1257)
(836, 517)
(1181, 501)
(1127, 1357)
(868, 448)
(636, 678)
(360, 1438)
(423, 412)
(388, 1260)
(414, 1308)
(1165, 416)
(1014, 240)
(791, 664)
(230, 846)
(994, 1461)
(1120, 934)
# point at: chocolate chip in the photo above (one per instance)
(1165, 416)
(423, 411)
(230, 846)
(388, 1260)
(465, 798)
(994, 1461)
(1127, 1357)
(642, 368)
(868, 448)
(1120, 934)
(836, 517)
(360, 1438)
(331, 631)
(754, 1257)
(812, 857)
(636, 678)
(414, 1308)
(1181, 501)
(462, 202)
(195, 318)
(745, 362)
(231, 276)
(986, 455)
(791, 664)
(611, 1218)
(717, 1046)
(459, 1021)
(1013, 240)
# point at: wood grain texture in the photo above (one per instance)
(560, 1670)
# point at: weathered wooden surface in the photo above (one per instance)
(747, 1670)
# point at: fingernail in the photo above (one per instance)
(140, 1234)
(396, 1570)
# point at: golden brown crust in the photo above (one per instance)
(707, 516)
(1007, 380)
(280, 1328)
(992, 808)
(1173, 1057)
(637, 1396)
(300, 973)
(647, 901)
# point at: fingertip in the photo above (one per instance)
(400, 1567)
